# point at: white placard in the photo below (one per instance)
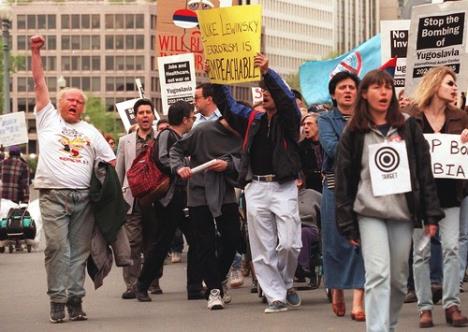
(449, 156)
(177, 79)
(127, 115)
(257, 95)
(394, 43)
(203, 166)
(13, 129)
(438, 37)
(389, 168)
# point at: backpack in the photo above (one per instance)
(145, 179)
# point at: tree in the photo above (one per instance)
(104, 121)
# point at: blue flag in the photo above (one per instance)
(315, 75)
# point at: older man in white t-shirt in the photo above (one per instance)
(68, 149)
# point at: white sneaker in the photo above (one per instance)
(236, 279)
(215, 302)
(227, 298)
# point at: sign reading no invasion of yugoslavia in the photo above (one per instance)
(438, 37)
(177, 79)
(394, 39)
(449, 156)
(13, 129)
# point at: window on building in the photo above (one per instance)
(95, 84)
(95, 21)
(22, 84)
(51, 24)
(86, 83)
(130, 62)
(85, 42)
(51, 63)
(109, 42)
(75, 63)
(110, 104)
(109, 21)
(139, 62)
(22, 105)
(110, 84)
(95, 42)
(41, 22)
(140, 21)
(75, 21)
(51, 42)
(129, 42)
(85, 21)
(65, 21)
(130, 84)
(66, 42)
(120, 63)
(75, 82)
(31, 22)
(109, 62)
(119, 21)
(119, 84)
(153, 22)
(153, 63)
(130, 21)
(119, 42)
(66, 63)
(95, 63)
(21, 22)
(21, 43)
(139, 42)
(86, 63)
(75, 42)
(51, 83)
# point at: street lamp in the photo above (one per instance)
(61, 83)
(5, 14)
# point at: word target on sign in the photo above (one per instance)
(389, 168)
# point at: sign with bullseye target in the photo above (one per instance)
(389, 168)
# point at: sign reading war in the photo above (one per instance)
(231, 39)
(448, 155)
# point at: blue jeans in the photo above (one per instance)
(68, 225)
(463, 242)
(449, 230)
(387, 269)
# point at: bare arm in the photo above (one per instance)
(40, 86)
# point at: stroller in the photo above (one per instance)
(17, 229)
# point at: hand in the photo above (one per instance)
(354, 243)
(184, 172)
(218, 166)
(37, 41)
(464, 136)
(261, 61)
(430, 230)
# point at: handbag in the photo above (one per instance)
(144, 177)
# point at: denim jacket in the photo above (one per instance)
(331, 125)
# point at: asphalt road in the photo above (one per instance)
(24, 306)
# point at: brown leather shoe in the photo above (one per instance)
(454, 317)
(425, 319)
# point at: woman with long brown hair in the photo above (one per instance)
(382, 223)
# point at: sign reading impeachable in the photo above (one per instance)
(231, 39)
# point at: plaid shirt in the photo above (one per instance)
(14, 174)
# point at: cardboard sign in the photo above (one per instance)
(449, 156)
(257, 95)
(438, 37)
(177, 27)
(389, 168)
(13, 129)
(231, 39)
(177, 79)
(394, 37)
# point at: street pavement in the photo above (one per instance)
(24, 306)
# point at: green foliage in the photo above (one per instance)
(104, 121)
(16, 63)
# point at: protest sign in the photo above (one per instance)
(394, 36)
(315, 75)
(177, 79)
(438, 37)
(389, 168)
(257, 95)
(127, 114)
(231, 39)
(13, 129)
(449, 156)
(177, 27)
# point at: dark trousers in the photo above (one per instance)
(216, 253)
(167, 220)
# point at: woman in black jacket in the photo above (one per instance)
(382, 222)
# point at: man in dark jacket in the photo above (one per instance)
(14, 175)
(271, 163)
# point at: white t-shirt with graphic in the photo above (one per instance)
(67, 151)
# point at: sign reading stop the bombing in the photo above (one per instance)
(449, 156)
